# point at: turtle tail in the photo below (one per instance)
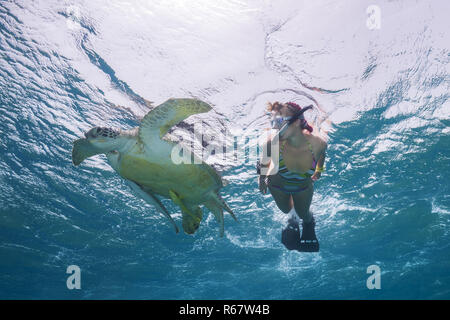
(216, 205)
(217, 212)
(218, 199)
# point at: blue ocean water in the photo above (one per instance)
(383, 94)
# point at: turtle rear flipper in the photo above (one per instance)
(192, 216)
(191, 221)
(150, 198)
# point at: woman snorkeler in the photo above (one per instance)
(300, 162)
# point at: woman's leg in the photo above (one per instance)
(302, 202)
(283, 200)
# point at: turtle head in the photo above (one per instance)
(101, 132)
(97, 140)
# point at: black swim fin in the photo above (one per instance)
(290, 236)
(308, 241)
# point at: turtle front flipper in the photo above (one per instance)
(159, 120)
(151, 199)
(191, 216)
(83, 149)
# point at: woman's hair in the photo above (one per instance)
(276, 106)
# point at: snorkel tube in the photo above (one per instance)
(299, 115)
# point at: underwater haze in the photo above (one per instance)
(377, 73)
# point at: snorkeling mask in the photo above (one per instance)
(278, 121)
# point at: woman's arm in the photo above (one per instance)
(320, 163)
(265, 160)
(264, 164)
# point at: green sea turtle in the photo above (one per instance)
(143, 158)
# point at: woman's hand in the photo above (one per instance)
(263, 183)
(316, 176)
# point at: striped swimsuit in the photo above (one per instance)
(293, 180)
